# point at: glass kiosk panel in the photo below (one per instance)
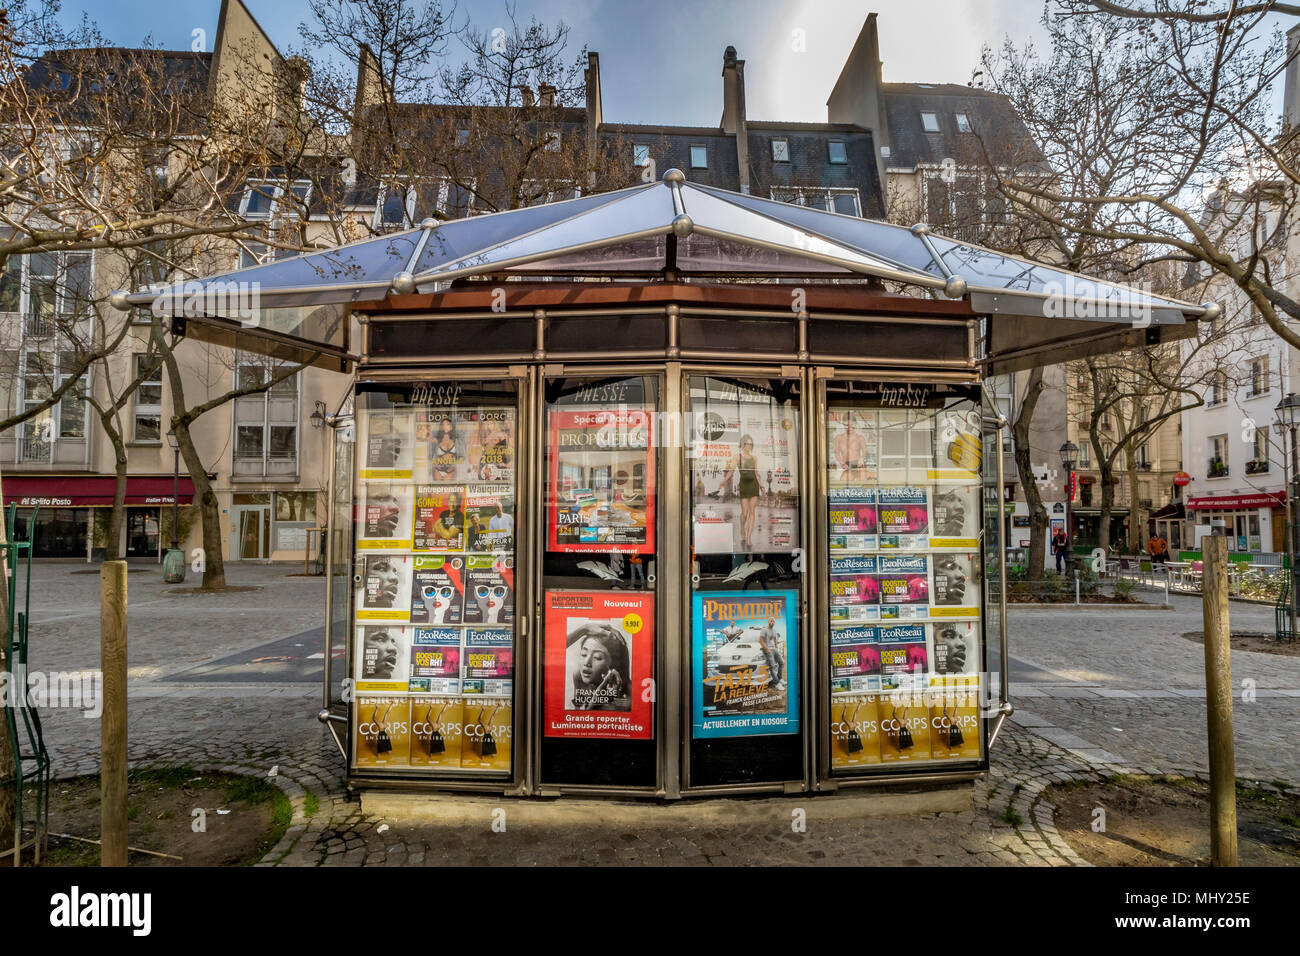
(744, 645)
(434, 577)
(599, 615)
(903, 535)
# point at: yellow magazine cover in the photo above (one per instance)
(904, 728)
(954, 726)
(436, 731)
(855, 731)
(383, 730)
(488, 728)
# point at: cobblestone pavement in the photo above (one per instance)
(1081, 668)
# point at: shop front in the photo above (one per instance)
(1253, 522)
(685, 519)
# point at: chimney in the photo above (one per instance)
(526, 95)
(1291, 89)
(733, 111)
(858, 97)
(545, 95)
(370, 82)
(594, 111)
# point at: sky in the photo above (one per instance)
(661, 62)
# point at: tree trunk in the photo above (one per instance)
(214, 568)
(1135, 524)
(1107, 479)
(116, 518)
(1025, 469)
(7, 766)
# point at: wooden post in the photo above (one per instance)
(112, 773)
(1218, 704)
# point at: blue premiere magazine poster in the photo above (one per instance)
(744, 663)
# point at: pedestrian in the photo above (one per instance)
(1059, 545)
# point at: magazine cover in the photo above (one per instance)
(383, 657)
(745, 660)
(439, 518)
(490, 519)
(903, 516)
(906, 446)
(855, 731)
(855, 591)
(489, 653)
(436, 731)
(904, 657)
(486, 729)
(904, 728)
(387, 447)
(438, 589)
(958, 445)
(852, 445)
(955, 652)
(441, 444)
(490, 440)
(851, 519)
(954, 726)
(489, 589)
(855, 658)
(904, 581)
(435, 660)
(956, 511)
(383, 587)
(383, 730)
(955, 586)
(599, 664)
(385, 520)
(601, 481)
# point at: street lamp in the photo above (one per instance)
(1287, 414)
(1068, 451)
(174, 561)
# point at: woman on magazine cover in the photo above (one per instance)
(601, 680)
(745, 464)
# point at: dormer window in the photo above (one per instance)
(963, 123)
(699, 157)
(640, 156)
(930, 122)
(780, 151)
(838, 155)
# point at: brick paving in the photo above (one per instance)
(1099, 704)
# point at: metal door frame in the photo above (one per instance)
(236, 515)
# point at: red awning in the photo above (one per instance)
(1258, 499)
(81, 491)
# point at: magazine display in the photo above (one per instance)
(385, 520)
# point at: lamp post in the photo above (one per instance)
(174, 561)
(1287, 414)
(1068, 451)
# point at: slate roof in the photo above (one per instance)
(992, 118)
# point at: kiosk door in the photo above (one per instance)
(745, 643)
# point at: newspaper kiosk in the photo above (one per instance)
(671, 491)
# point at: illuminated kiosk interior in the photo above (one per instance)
(662, 491)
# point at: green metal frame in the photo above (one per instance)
(1282, 612)
(31, 759)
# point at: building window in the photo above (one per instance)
(462, 137)
(1218, 388)
(553, 141)
(48, 289)
(699, 157)
(148, 399)
(535, 192)
(843, 201)
(1143, 456)
(1085, 454)
(275, 198)
(839, 156)
(395, 208)
(963, 123)
(1258, 377)
(930, 122)
(1217, 466)
(266, 423)
(780, 151)
(640, 156)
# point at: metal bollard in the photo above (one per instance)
(1076, 585)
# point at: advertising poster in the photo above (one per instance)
(852, 445)
(903, 656)
(599, 658)
(744, 473)
(490, 444)
(904, 727)
(438, 589)
(956, 516)
(388, 448)
(383, 657)
(383, 730)
(435, 660)
(955, 589)
(855, 731)
(955, 653)
(855, 592)
(601, 481)
(439, 518)
(959, 449)
(954, 726)
(745, 659)
(441, 446)
(489, 653)
(489, 589)
(904, 581)
(384, 589)
(904, 517)
(855, 659)
(489, 519)
(486, 732)
(852, 518)
(385, 520)
(436, 731)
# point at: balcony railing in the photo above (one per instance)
(39, 325)
(1144, 466)
(33, 449)
(1257, 467)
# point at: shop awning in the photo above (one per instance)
(84, 491)
(1257, 499)
(1174, 509)
(1037, 313)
